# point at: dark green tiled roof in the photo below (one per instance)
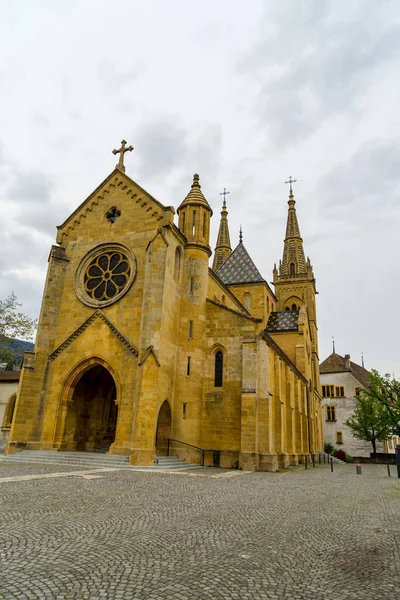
(283, 321)
(239, 268)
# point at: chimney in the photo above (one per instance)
(347, 362)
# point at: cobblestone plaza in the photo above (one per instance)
(203, 534)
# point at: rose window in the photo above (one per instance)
(107, 275)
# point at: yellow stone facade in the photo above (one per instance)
(141, 345)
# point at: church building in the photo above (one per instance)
(143, 349)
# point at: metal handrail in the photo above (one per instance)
(202, 450)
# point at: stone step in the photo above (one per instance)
(94, 460)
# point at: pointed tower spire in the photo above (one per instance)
(223, 247)
(194, 217)
(293, 260)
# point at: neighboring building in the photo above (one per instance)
(8, 393)
(341, 380)
(139, 341)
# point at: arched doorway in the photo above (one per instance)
(92, 414)
(163, 432)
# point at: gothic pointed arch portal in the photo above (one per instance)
(89, 410)
(163, 431)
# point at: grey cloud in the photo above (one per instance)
(322, 65)
(32, 193)
(367, 183)
(28, 291)
(113, 76)
(163, 146)
(170, 152)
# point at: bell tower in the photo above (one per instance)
(194, 222)
(294, 281)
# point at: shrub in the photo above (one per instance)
(348, 458)
(328, 447)
(341, 454)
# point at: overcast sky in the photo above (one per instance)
(245, 94)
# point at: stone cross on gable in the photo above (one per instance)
(121, 153)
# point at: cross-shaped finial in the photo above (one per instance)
(224, 194)
(121, 153)
(240, 235)
(290, 180)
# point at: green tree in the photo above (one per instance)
(13, 324)
(371, 419)
(385, 389)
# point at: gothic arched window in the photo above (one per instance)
(219, 366)
(292, 268)
(294, 307)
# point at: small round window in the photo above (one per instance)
(105, 274)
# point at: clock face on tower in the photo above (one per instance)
(105, 274)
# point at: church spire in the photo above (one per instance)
(293, 260)
(223, 247)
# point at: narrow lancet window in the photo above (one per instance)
(219, 366)
(292, 268)
(194, 222)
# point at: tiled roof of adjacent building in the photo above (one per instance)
(10, 375)
(337, 364)
(285, 320)
(239, 268)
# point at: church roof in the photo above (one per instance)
(239, 268)
(337, 364)
(286, 320)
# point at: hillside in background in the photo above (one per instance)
(18, 347)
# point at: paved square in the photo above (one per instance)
(131, 535)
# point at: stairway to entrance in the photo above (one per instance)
(95, 460)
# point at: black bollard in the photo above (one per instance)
(331, 464)
(388, 468)
(324, 458)
(313, 460)
(306, 463)
(319, 458)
